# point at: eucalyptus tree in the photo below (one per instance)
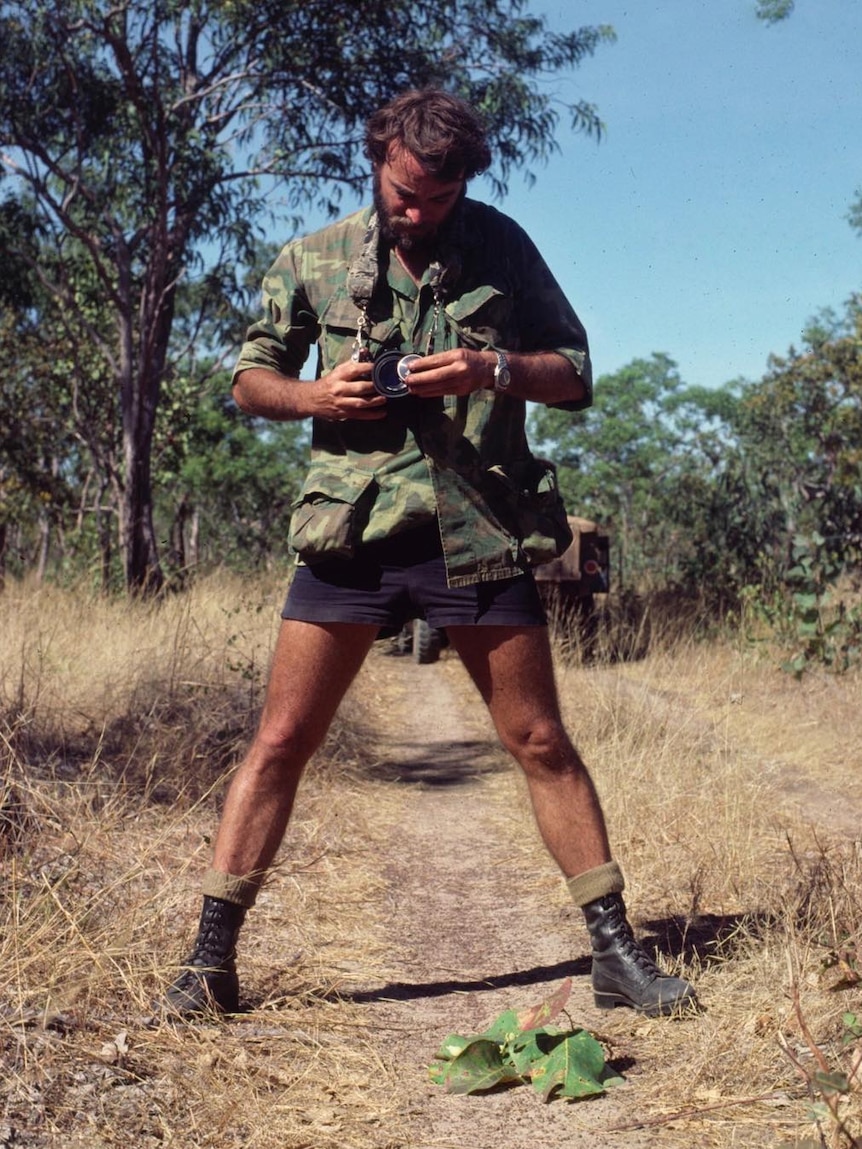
(649, 461)
(803, 429)
(155, 138)
(235, 482)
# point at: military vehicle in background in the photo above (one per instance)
(424, 641)
(570, 583)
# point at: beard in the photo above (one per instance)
(398, 231)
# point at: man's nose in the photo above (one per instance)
(415, 214)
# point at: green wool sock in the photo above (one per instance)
(605, 879)
(230, 888)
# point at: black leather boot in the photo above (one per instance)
(208, 982)
(623, 973)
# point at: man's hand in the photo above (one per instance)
(348, 393)
(456, 372)
(540, 376)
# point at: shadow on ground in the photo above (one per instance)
(707, 938)
(412, 991)
(439, 764)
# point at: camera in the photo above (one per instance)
(389, 373)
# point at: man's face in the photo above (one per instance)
(411, 203)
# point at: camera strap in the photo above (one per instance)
(361, 281)
(438, 274)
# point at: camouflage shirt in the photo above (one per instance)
(464, 459)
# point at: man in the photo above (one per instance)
(422, 498)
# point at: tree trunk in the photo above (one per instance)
(179, 562)
(44, 548)
(104, 533)
(141, 367)
(194, 538)
(142, 568)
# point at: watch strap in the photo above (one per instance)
(502, 374)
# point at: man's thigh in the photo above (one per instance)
(312, 666)
(513, 670)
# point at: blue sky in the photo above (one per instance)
(710, 221)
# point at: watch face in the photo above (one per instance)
(502, 375)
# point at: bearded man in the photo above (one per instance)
(435, 321)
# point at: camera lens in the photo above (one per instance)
(390, 372)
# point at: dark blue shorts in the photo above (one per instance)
(391, 582)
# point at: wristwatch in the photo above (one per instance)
(502, 374)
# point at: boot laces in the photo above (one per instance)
(629, 944)
(215, 944)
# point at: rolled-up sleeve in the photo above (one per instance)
(282, 338)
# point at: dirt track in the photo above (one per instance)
(480, 937)
(476, 929)
(413, 900)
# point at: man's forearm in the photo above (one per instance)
(346, 392)
(542, 377)
(263, 392)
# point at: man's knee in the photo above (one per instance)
(281, 746)
(543, 745)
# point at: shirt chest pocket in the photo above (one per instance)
(485, 316)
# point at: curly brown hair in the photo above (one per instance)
(443, 132)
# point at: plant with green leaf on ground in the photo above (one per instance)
(522, 1047)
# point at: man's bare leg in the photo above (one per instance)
(312, 667)
(513, 670)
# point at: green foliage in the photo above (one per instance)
(643, 462)
(517, 1049)
(749, 497)
(44, 455)
(852, 1028)
(235, 475)
(829, 1086)
(799, 446)
(782, 522)
(805, 615)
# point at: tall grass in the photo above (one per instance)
(119, 723)
(729, 789)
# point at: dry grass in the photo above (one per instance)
(117, 723)
(733, 798)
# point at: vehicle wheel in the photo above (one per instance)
(426, 642)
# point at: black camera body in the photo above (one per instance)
(389, 373)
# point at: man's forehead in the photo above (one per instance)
(405, 168)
